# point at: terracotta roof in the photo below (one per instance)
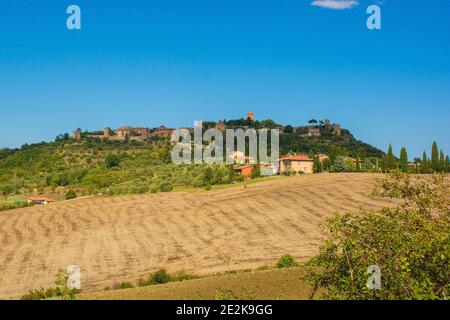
(296, 158)
(40, 199)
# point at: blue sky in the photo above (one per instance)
(148, 63)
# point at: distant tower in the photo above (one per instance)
(337, 130)
(77, 134)
(220, 125)
(250, 116)
(107, 132)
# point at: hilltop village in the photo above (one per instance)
(143, 134)
(289, 163)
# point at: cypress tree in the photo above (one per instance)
(404, 160)
(447, 164)
(424, 163)
(317, 165)
(441, 162)
(383, 163)
(390, 160)
(435, 157)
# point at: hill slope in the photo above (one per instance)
(115, 239)
(281, 284)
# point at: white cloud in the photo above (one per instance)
(335, 4)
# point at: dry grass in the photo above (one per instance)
(287, 284)
(123, 238)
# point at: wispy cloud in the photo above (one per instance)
(335, 4)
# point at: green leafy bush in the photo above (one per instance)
(158, 277)
(111, 161)
(183, 276)
(287, 261)
(40, 294)
(410, 244)
(124, 285)
(70, 195)
(162, 276)
(61, 291)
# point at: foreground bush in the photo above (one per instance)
(61, 291)
(410, 244)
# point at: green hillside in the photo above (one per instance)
(92, 166)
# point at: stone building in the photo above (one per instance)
(221, 125)
(107, 132)
(76, 134)
(124, 132)
(250, 116)
(246, 171)
(143, 133)
(297, 164)
(308, 131)
(162, 131)
(315, 131)
(335, 128)
(132, 133)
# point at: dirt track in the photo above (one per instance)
(123, 238)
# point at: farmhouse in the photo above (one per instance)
(39, 201)
(245, 171)
(297, 164)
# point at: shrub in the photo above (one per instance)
(183, 276)
(367, 166)
(7, 189)
(165, 186)
(70, 195)
(256, 171)
(340, 165)
(158, 277)
(287, 261)
(112, 161)
(124, 285)
(40, 294)
(162, 276)
(410, 244)
(14, 205)
(290, 173)
(225, 294)
(61, 290)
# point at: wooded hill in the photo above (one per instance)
(91, 165)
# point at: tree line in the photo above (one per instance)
(438, 163)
